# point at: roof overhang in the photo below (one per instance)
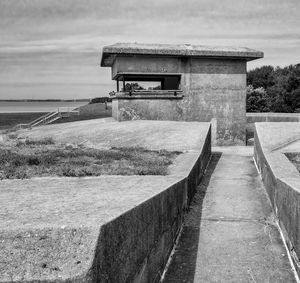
(109, 53)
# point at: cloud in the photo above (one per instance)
(50, 22)
(65, 29)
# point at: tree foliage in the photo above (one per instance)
(133, 86)
(274, 89)
(257, 99)
(103, 99)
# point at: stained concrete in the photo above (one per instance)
(50, 226)
(177, 50)
(212, 81)
(272, 117)
(54, 202)
(83, 229)
(281, 178)
(211, 88)
(229, 233)
(106, 133)
(146, 109)
(253, 118)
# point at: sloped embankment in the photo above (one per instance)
(103, 228)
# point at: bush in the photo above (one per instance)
(33, 142)
(274, 89)
(100, 100)
(257, 100)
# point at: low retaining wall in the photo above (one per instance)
(253, 118)
(146, 108)
(282, 182)
(135, 246)
(102, 228)
(272, 117)
(94, 109)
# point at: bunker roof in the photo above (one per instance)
(110, 52)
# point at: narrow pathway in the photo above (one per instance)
(229, 234)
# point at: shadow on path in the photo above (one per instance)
(183, 264)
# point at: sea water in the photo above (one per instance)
(38, 106)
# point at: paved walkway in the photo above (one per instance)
(229, 234)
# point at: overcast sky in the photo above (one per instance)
(52, 48)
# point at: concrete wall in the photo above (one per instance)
(282, 182)
(145, 109)
(93, 109)
(212, 88)
(217, 89)
(272, 117)
(135, 247)
(268, 117)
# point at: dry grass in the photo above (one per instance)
(39, 158)
(9, 120)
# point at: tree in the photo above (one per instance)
(133, 86)
(261, 77)
(257, 100)
(281, 89)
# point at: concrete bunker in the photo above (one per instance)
(192, 83)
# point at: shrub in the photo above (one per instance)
(257, 99)
(100, 100)
(43, 141)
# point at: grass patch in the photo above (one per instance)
(32, 142)
(40, 158)
(294, 157)
(9, 120)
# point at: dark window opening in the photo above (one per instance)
(141, 85)
(148, 82)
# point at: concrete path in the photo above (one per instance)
(229, 234)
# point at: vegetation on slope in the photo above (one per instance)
(39, 158)
(9, 120)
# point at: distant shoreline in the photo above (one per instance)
(39, 106)
(45, 100)
(23, 112)
(11, 119)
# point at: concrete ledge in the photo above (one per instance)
(281, 178)
(268, 117)
(177, 50)
(272, 117)
(101, 229)
(135, 246)
(94, 109)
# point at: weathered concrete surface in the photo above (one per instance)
(100, 229)
(50, 226)
(107, 132)
(274, 136)
(213, 82)
(212, 88)
(94, 109)
(145, 109)
(280, 177)
(272, 117)
(253, 118)
(229, 233)
(176, 50)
